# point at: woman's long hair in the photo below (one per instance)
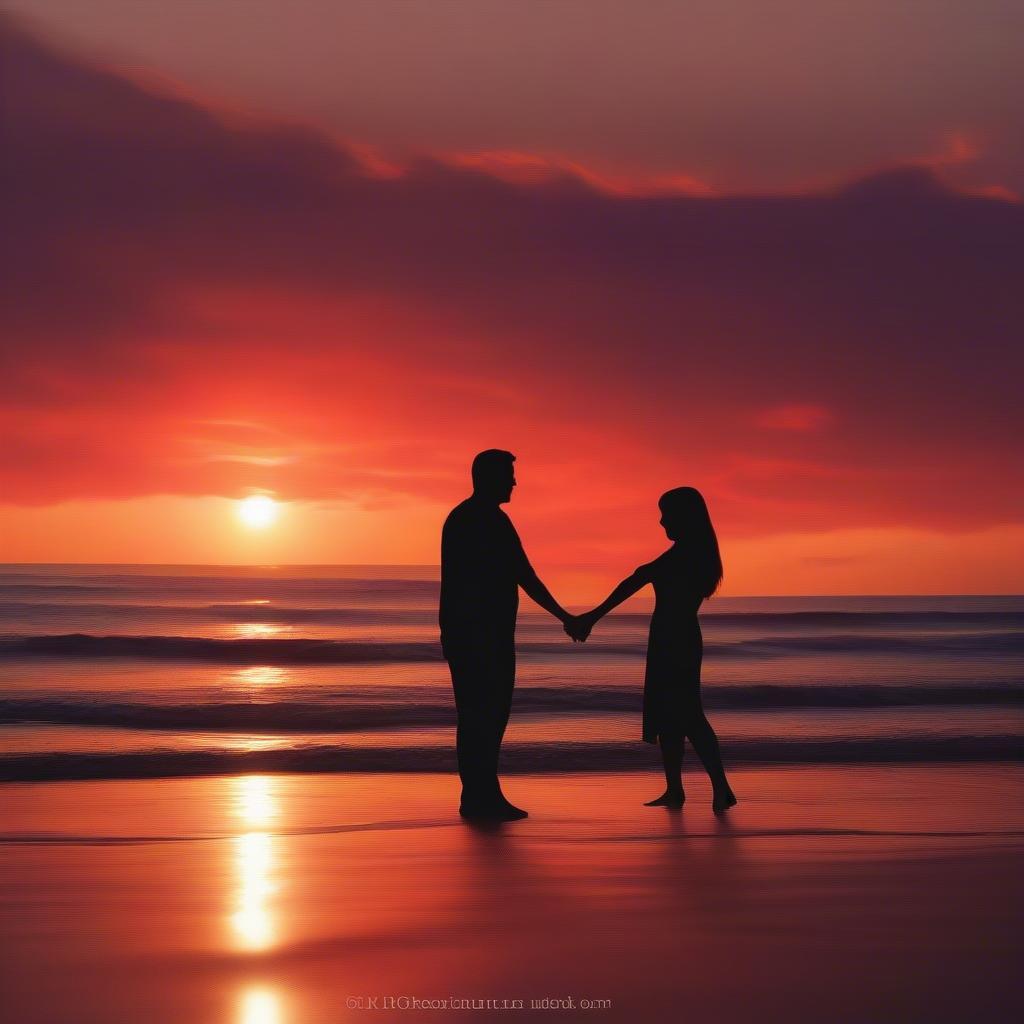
(687, 517)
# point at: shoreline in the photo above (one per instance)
(547, 760)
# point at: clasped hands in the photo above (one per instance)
(578, 627)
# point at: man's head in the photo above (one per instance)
(494, 476)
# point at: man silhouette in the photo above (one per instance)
(483, 564)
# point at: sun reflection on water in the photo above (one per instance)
(261, 675)
(260, 630)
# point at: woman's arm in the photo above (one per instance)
(626, 589)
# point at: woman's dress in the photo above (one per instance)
(674, 649)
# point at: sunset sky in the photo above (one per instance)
(324, 252)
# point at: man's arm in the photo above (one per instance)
(528, 579)
(535, 589)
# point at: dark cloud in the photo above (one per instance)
(169, 266)
(737, 94)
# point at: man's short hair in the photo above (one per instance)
(490, 465)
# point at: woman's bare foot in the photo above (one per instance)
(668, 799)
(512, 812)
(723, 800)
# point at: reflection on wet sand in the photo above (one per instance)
(259, 1005)
(252, 920)
(274, 899)
(254, 802)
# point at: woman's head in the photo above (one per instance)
(684, 514)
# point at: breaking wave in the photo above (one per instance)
(423, 706)
(312, 651)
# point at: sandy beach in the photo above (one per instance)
(839, 894)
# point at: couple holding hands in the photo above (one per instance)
(483, 565)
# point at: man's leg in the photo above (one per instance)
(501, 681)
(483, 698)
(472, 741)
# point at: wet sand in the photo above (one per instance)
(829, 894)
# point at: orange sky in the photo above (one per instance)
(214, 305)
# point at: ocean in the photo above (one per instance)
(154, 671)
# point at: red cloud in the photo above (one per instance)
(533, 168)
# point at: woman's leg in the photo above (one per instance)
(672, 760)
(705, 743)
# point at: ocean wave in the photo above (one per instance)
(236, 612)
(279, 716)
(262, 651)
(992, 642)
(308, 651)
(422, 706)
(920, 619)
(543, 758)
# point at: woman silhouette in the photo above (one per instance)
(687, 573)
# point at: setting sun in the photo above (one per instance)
(259, 511)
